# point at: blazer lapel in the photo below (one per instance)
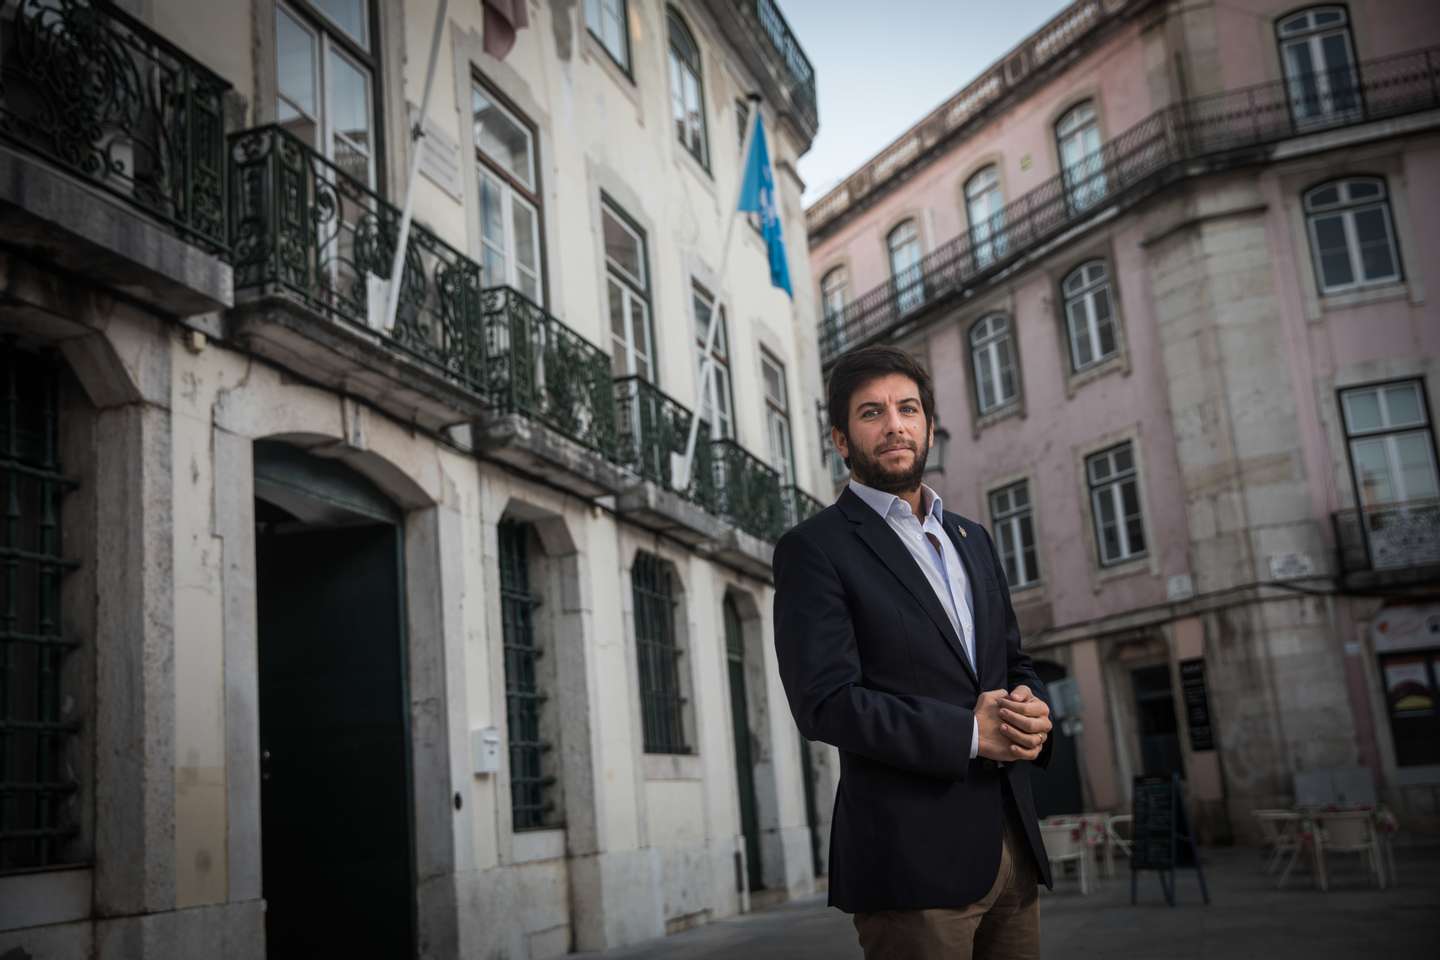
(973, 560)
(886, 545)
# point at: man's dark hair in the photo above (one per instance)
(859, 366)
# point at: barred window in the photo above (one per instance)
(661, 704)
(531, 785)
(1115, 499)
(1010, 518)
(39, 792)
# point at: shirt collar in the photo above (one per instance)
(882, 502)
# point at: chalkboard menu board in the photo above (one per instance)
(1161, 838)
(1197, 704)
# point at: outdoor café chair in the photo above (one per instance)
(1284, 832)
(1066, 841)
(1119, 831)
(1351, 831)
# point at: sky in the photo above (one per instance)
(881, 65)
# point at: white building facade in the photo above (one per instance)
(321, 637)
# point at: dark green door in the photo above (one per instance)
(334, 792)
(744, 764)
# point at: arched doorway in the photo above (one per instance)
(336, 818)
(1056, 788)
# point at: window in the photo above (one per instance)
(1351, 236)
(509, 197)
(904, 246)
(324, 70)
(1010, 518)
(39, 816)
(1115, 500)
(992, 363)
(1410, 688)
(531, 785)
(985, 206)
(606, 20)
(1089, 320)
(662, 707)
(1319, 63)
(722, 425)
(777, 418)
(1082, 164)
(627, 283)
(687, 101)
(1392, 452)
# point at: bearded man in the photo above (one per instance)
(897, 643)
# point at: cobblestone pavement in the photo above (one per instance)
(1248, 919)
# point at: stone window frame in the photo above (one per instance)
(1006, 407)
(1346, 208)
(1101, 248)
(1149, 562)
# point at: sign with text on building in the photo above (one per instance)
(1197, 704)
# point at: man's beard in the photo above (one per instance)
(877, 476)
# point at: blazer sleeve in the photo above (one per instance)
(1018, 668)
(820, 667)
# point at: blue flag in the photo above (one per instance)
(757, 195)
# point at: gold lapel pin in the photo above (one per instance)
(960, 530)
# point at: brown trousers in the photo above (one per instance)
(1002, 925)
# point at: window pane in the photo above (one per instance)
(348, 15)
(1402, 405)
(1007, 370)
(640, 333)
(1135, 535)
(617, 312)
(622, 247)
(1130, 498)
(1417, 469)
(295, 61)
(1081, 350)
(1362, 410)
(1332, 251)
(984, 379)
(502, 138)
(1377, 260)
(1027, 541)
(1372, 471)
(1124, 460)
(349, 96)
(1008, 550)
(527, 235)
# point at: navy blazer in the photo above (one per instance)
(872, 665)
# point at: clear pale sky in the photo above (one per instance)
(881, 65)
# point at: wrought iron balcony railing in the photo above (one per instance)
(1170, 143)
(1390, 536)
(787, 51)
(93, 90)
(651, 427)
(747, 491)
(302, 227)
(537, 366)
(799, 506)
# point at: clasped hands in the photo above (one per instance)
(1013, 725)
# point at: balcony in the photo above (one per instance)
(551, 399)
(653, 429)
(762, 35)
(1389, 541)
(304, 236)
(1186, 139)
(94, 105)
(748, 494)
(798, 505)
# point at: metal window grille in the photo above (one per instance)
(661, 704)
(37, 789)
(531, 805)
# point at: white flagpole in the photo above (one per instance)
(707, 363)
(391, 287)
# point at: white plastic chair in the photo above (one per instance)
(1282, 832)
(1351, 831)
(1119, 830)
(1062, 844)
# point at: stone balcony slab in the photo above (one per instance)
(526, 443)
(653, 506)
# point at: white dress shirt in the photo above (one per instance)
(943, 569)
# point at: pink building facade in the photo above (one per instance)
(1170, 272)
